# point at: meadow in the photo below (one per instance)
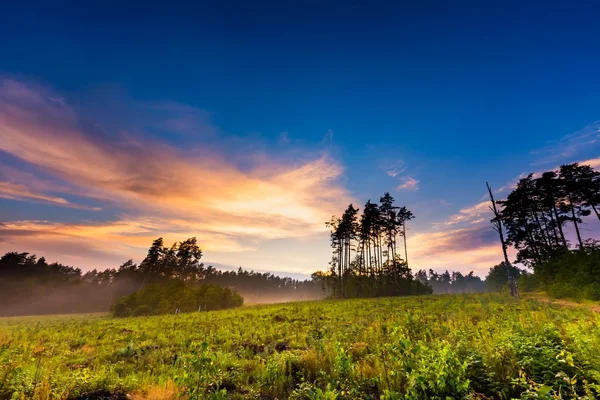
(471, 346)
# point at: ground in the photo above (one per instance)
(461, 346)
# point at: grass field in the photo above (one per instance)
(460, 346)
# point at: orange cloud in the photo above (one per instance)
(196, 192)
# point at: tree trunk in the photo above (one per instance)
(560, 229)
(575, 223)
(542, 231)
(574, 216)
(554, 230)
(405, 248)
(532, 243)
(596, 211)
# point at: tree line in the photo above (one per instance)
(366, 259)
(31, 285)
(455, 282)
(535, 219)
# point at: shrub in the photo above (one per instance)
(166, 297)
(528, 282)
(142, 310)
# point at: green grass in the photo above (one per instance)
(459, 346)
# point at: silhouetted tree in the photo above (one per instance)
(365, 260)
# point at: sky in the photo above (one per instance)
(249, 124)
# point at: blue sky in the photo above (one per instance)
(337, 96)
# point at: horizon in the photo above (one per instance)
(250, 128)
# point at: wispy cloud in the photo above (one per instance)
(470, 215)
(21, 192)
(397, 171)
(408, 183)
(16, 184)
(398, 168)
(570, 147)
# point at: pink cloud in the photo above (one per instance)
(409, 183)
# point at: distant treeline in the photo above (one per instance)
(31, 285)
(534, 219)
(454, 282)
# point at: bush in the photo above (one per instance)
(591, 291)
(120, 310)
(142, 310)
(166, 297)
(528, 283)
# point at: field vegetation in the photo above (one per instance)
(469, 346)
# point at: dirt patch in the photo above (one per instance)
(282, 346)
(565, 303)
(279, 318)
(255, 348)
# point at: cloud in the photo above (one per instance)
(194, 191)
(593, 162)
(570, 147)
(110, 239)
(472, 215)
(397, 169)
(19, 192)
(463, 242)
(14, 191)
(474, 248)
(408, 183)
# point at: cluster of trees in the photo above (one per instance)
(175, 294)
(537, 211)
(452, 282)
(366, 261)
(497, 278)
(31, 285)
(535, 218)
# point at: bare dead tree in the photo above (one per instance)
(497, 224)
